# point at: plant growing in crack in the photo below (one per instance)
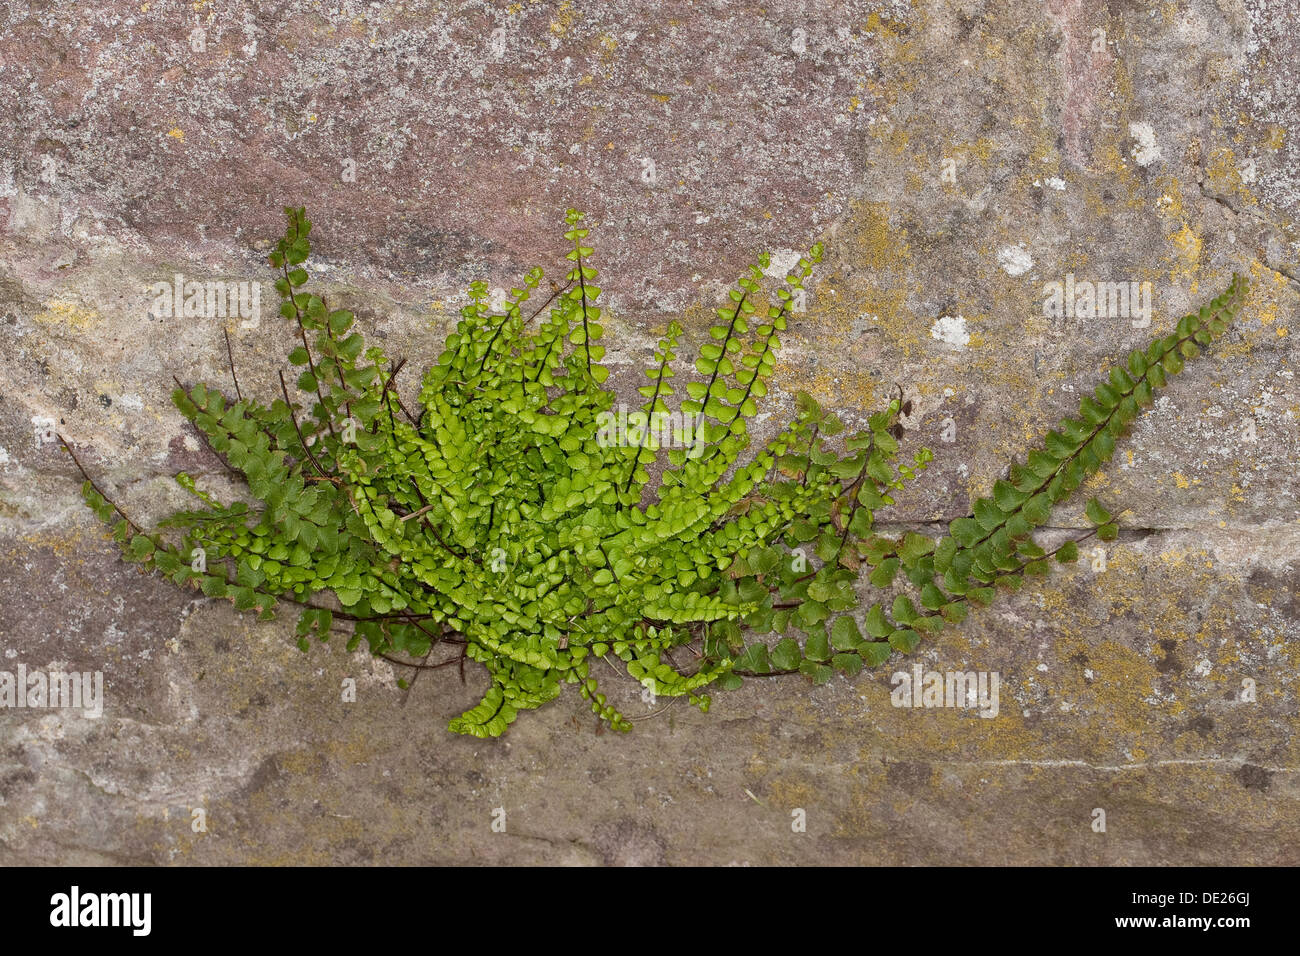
(494, 514)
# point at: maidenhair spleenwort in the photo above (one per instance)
(506, 514)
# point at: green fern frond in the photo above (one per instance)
(511, 513)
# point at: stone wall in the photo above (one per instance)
(955, 157)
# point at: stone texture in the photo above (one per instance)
(1162, 150)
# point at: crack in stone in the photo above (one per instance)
(1121, 768)
(1278, 267)
(570, 843)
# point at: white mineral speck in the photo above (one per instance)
(1015, 260)
(1147, 150)
(951, 329)
(782, 263)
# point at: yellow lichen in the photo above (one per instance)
(58, 312)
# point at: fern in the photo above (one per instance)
(505, 515)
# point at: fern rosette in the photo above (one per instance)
(515, 514)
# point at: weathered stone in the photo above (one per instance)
(1161, 150)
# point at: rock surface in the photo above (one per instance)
(954, 156)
